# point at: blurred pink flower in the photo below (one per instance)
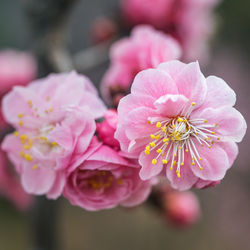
(178, 119)
(16, 68)
(181, 208)
(145, 48)
(105, 180)
(10, 186)
(189, 21)
(54, 122)
(106, 129)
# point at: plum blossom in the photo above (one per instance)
(180, 124)
(145, 48)
(54, 118)
(191, 22)
(104, 180)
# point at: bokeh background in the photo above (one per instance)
(225, 223)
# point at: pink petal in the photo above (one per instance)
(149, 170)
(154, 83)
(170, 105)
(38, 181)
(192, 84)
(232, 125)
(58, 186)
(214, 163)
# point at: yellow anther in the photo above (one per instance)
(21, 153)
(163, 153)
(196, 133)
(20, 123)
(208, 138)
(43, 138)
(200, 159)
(186, 150)
(182, 163)
(54, 144)
(50, 109)
(164, 129)
(110, 178)
(216, 125)
(20, 115)
(174, 155)
(147, 152)
(30, 103)
(164, 161)
(157, 137)
(193, 103)
(27, 146)
(149, 122)
(171, 168)
(180, 119)
(148, 148)
(209, 146)
(212, 132)
(193, 163)
(15, 133)
(119, 181)
(201, 168)
(206, 121)
(159, 150)
(34, 167)
(152, 136)
(154, 161)
(158, 124)
(165, 139)
(202, 145)
(180, 147)
(174, 162)
(178, 174)
(173, 126)
(212, 142)
(28, 157)
(166, 143)
(218, 138)
(23, 138)
(152, 144)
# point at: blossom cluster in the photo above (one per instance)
(168, 122)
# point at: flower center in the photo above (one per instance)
(176, 136)
(37, 137)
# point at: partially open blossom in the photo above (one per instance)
(54, 120)
(182, 209)
(16, 68)
(106, 129)
(145, 48)
(189, 21)
(105, 180)
(180, 124)
(10, 186)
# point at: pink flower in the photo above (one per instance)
(105, 180)
(54, 122)
(16, 68)
(181, 208)
(106, 129)
(10, 186)
(146, 48)
(181, 123)
(176, 17)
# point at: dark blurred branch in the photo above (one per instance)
(48, 20)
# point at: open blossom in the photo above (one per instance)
(54, 122)
(10, 186)
(145, 48)
(176, 17)
(104, 180)
(180, 124)
(16, 68)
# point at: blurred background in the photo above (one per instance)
(225, 222)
